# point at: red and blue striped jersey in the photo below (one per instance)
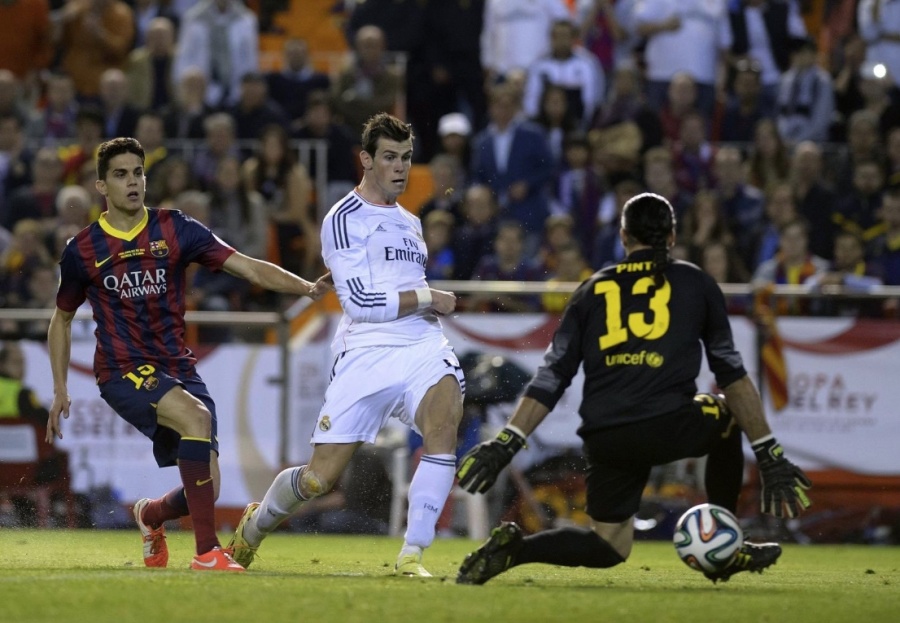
(135, 282)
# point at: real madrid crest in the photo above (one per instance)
(159, 248)
(324, 423)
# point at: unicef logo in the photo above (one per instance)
(654, 360)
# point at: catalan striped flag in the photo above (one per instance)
(772, 350)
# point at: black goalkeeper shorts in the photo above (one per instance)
(620, 458)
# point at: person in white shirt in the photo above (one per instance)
(516, 33)
(682, 36)
(376, 253)
(879, 26)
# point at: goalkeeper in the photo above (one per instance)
(637, 327)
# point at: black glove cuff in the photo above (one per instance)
(767, 450)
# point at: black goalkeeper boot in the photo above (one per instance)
(751, 557)
(494, 557)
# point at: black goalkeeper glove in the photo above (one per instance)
(783, 484)
(480, 466)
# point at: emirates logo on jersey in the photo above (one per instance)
(159, 248)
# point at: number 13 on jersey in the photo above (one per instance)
(616, 333)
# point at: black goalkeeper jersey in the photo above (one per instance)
(640, 344)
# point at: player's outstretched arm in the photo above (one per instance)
(59, 342)
(271, 277)
(783, 485)
(480, 466)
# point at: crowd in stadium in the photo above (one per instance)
(772, 126)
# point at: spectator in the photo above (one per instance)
(805, 97)
(56, 122)
(185, 116)
(474, 238)
(151, 134)
(238, 215)
(37, 201)
(847, 81)
(255, 110)
(745, 106)
(173, 177)
(369, 84)
(25, 253)
(768, 162)
(11, 97)
(556, 119)
(879, 26)
(15, 158)
(291, 87)
(813, 199)
(762, 30)
(284, 183)
(558, 234)
(455, 133)
(219, 142)
(145, 13)
(96, 35)
(576, 72)
(682, 36)
(863, 143)
(722, 264)
(515, 34)
(570, 267)
(149, 72)
(884, 249)
(608, 31)
(73, 207)
(892, 151)
(26, 46)
(447, 194)
(659, 178)
(220, 38)
(343, 148)
(857, 210)
(875, 90)
(625, 104)
(519, 176)
(89, 124)
(508, 262)
(741, 203)
(780, 211)
(607, 247)
(850, 270)
(705, 224)
(119, 117)
(680, 101)
(437, 229)
(580, 189)
(793, 265)
(693, 156)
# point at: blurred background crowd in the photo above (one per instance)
(773, 127)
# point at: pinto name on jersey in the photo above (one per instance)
(136, 283)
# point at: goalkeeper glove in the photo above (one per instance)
(783, 484)
(481, 465)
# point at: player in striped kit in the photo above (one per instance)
(130, 265)
(391, 358)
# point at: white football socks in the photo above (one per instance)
(280, 502)
(428, 491)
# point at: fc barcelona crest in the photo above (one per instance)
(158, 248)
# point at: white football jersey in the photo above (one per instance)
(374, 252)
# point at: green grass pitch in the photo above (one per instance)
(98, 577)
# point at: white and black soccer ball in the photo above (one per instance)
(708, 537)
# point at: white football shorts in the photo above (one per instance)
(371, 384)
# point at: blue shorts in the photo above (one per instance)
(135, 402)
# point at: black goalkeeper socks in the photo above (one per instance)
(568, 547)
(725, 471)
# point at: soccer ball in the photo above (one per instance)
(707, 537)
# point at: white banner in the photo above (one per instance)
(842, 414)
(106, 450)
